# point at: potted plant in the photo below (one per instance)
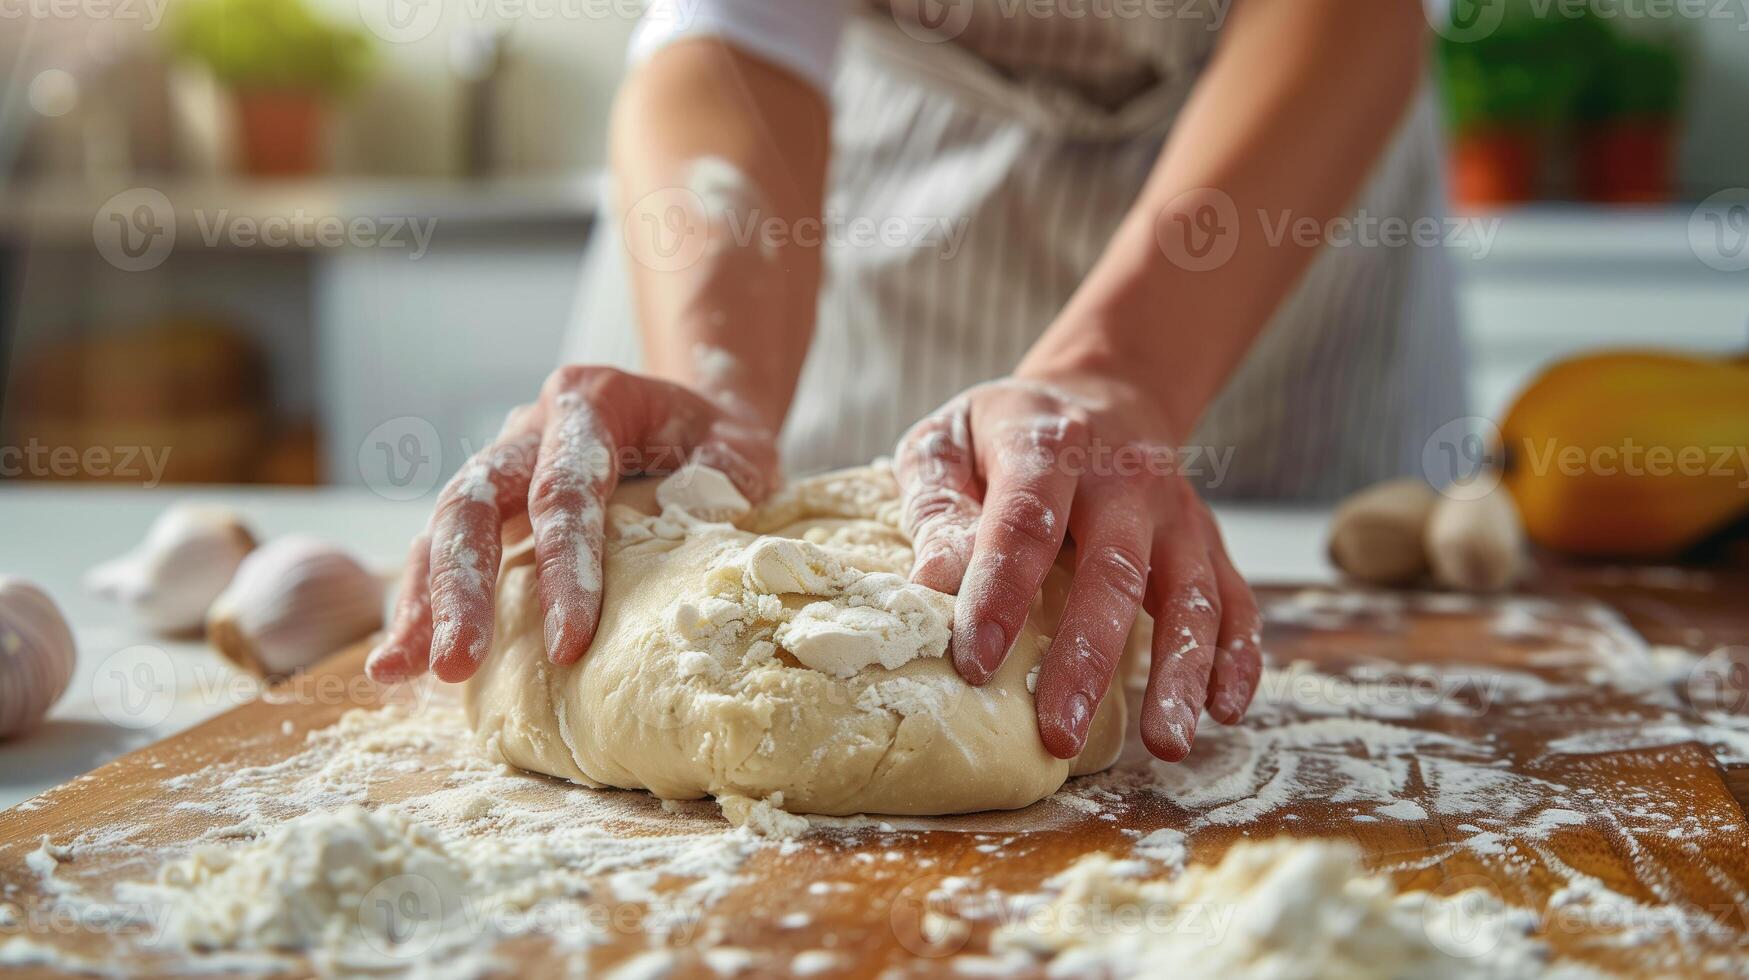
(282, 64)
(1507, 91)
(1627, 121)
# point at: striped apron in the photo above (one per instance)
(974, 183)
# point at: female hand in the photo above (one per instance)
(991, 484)
(560, 458)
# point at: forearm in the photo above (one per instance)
(1300, 99)
(718, 158)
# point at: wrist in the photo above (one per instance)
(1085, 354)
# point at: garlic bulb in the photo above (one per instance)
(187, 558)
(36, 655)
(294, 601)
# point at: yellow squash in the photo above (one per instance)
(1630, 453)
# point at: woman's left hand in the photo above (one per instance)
(993, 481)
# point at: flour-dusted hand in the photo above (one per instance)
(992, 484)
(559, 459)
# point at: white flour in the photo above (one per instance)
(484, 855)
(1279, 910)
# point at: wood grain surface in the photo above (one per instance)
(874, 926)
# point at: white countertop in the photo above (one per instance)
(132, 688)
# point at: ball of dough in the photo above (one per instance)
(750, 652)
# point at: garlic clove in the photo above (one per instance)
(185, 561)
(1477, 544)
(294, 601)
(1378, 534)
(36, 656)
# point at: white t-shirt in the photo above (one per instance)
(799, 35)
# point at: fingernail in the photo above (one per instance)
(1079, 714)
(555, 634)
(990, 647)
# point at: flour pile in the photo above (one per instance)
(369, 890)
(454, 855)
(1278, 910)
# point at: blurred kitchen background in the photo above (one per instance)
(332, 241)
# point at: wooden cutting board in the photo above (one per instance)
(1608, 799)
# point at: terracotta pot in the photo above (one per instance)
(1626, 162)
(280, 132)
(1495, 166)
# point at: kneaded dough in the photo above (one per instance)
(776, 653)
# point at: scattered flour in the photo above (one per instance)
(429, 880)
(1278, 909)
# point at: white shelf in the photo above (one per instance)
(62, 213)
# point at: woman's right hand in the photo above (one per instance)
(560, 459)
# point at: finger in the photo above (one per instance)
(406, 649)
(567, 510)
(937, 484)
(746, 453)
(1026, 505)
(467, 542)
(1112, 532)
(1238, 655)
(1183, 601)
